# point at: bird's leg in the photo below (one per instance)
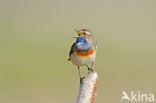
(92, 67)
(80, 75)
(79, 71)
(89, 69)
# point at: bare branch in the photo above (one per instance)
(88, 88)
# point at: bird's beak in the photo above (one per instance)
(76, 30)
(75, 36)
(79, 34)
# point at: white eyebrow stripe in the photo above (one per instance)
(87, 32)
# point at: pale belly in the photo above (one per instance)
(81, 61)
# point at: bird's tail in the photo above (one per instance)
(96, 44)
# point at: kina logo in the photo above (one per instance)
(137, 97)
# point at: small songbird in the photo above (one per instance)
(83, 51)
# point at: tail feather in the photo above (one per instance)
(96, 45)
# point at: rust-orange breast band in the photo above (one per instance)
(86, 53)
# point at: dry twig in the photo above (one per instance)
(88, 88)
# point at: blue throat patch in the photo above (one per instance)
(82, 45)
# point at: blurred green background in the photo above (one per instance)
(35, 39)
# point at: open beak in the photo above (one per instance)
(78, 33)
(75, 36)
(76, 30)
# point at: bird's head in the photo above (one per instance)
(85, 33)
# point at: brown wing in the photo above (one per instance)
(72, 49)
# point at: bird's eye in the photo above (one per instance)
(84, 33)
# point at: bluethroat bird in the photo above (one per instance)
(83, 51)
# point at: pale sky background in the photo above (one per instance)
(35, 39)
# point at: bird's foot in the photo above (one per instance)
(90, 70)
(81, 80)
